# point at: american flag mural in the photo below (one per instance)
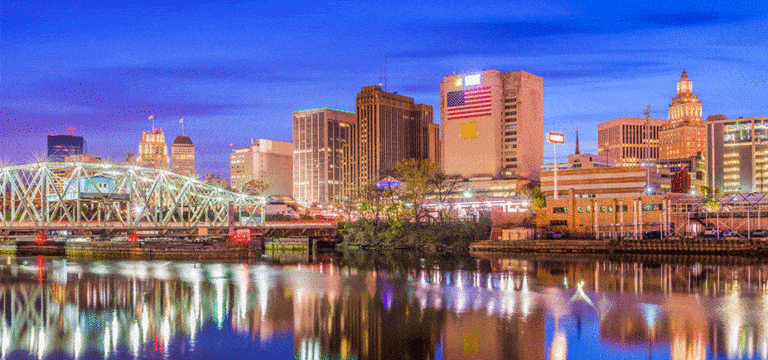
(468, 103)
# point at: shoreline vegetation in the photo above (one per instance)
(393, 216)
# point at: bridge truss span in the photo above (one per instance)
(47, 196)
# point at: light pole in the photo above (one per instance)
(555, 138)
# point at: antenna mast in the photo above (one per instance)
(385, 72)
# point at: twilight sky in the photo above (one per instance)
(238, 69)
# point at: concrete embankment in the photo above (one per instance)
(171, 250)
(699, 246)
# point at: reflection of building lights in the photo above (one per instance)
(559, 349)
(41, 344)
(107, 342)
(135, 340)
(115, 332)
(263, 287)
(78, 345)
(6, 341)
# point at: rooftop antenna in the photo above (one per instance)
(152, 117)
(70, 130)
(385, 72)
(182, 125)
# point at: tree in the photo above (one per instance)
(712, 196)
(442, 186)
(538, 201)
(254, 187)
(415, 175)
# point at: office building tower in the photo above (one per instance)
(61, 146)
(683, 136)
(183, 156)
(737, 154)
(492, 125)
(629, 140)
(320, 149)
(153, 152)
(267, 161)
(389, 128)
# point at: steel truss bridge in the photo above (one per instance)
(107, 200)
(685, 216)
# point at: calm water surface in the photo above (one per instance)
(379, 306)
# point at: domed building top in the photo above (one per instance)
(684, 76)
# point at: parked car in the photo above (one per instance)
(729, 233)
(711, 232)
(758, 233)
(556, 235)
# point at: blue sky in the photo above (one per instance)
(238, 69)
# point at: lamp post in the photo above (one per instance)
(555, 138)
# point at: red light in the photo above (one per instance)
(133, 237)
(40, 239)
(40, 269)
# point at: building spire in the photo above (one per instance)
(577, 141)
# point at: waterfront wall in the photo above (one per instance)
(697, 246)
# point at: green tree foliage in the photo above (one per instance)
(538, 201)
(712, 196)
(416, 176)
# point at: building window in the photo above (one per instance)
(510, 113)
(510, 120)
(510, 100)
(610, 208)
(558, 222)
(510, 126)
(580, 209)
(560, 210)
(589, 209)
(652, 207)
(602, 208)
(624, 207)
(513, 106)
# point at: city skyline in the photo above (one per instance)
(239, 70)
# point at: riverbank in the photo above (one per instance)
(698, 246)
(124, 250)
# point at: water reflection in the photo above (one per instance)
(373, 307)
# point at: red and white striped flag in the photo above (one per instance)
(468, 103)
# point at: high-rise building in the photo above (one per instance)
(153, 152)
(629, 141)
(61, 146)
(737, 154)
(183, 156)
(683, 135)
(268, 161)
(320, 149)
(389, 128)
(492, 125)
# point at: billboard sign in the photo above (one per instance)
(555, 138)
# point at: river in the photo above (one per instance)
(365, 305)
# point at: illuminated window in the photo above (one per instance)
(468, 130)
(470, 80)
